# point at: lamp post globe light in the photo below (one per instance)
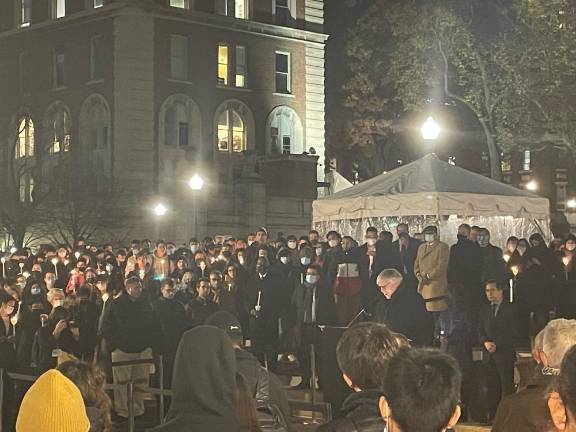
(532, 186)
(571, 204)
(430, 129)
(196, 182)
(160, 209)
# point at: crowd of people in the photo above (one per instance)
(102, 305)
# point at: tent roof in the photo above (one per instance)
(430, 174)
(430, 186)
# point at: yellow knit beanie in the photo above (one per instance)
(52, 404)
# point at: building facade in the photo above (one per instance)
(135, 97)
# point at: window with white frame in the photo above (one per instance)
(241, 66)
(59, 64)
(177, 126)
(58, 9)
(223, 69)
(527, 161)
(179, 57)
(59, 123)
(241, 9)
(231, 132)
(282, 12)
(96, 58)
(25, 143)
(286, 132)
(24, 13)
(283, 72)
(26, 188)
(181, 4)
(98, 4)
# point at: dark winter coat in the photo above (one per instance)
(360, 413)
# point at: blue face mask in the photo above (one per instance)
(35, 291)
(305, 260)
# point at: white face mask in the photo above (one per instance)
(241, 260)
(318, 251)
(333, 243)
(305, 260)
(284, 260)
(58, 303)
(194, 248)
(292, 245)
(312, 279)
(430, 238)
(35, 291)
(371, 241)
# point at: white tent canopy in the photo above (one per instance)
(432, 187)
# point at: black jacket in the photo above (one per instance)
(132, 326)
(407, 258)
(173, 322)
(501, 330)
(493, 264)
(250, 368)
(465, 265)
(405, 313)
(361, 413)
(204, 384)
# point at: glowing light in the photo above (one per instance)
(160, 210)
(566, 261)
(196, 182)
(430, 129)
(532, 186)
(515, 270)
(571, 204)
(506, 257)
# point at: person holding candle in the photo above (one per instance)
(565, 279)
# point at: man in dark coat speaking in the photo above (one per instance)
(402, 310)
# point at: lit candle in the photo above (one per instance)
(77, 255)
(506, 257)
(55, 264)
(566, 261)
(3, 260)
(515, 270)
(512, 290)
(258, 307)
(21, 265)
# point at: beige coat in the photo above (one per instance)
(432, 263)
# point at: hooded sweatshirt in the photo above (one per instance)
(203, 384)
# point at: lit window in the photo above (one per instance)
(25, 143)
(241, 9)
(241, 66)
(223, 64)
(25, 13)
(58, 9)
(282, 12)
(98, 3)
(179, 57)
(181, 4)
(231, 132)
(59, 64)
(26, 188)
(283, 84)
(96, 60)
(527, 161)
(286, 134)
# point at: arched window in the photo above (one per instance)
(234, 128)
(231, 132)
(180, 123)
(25, 141)
(284, 131)
(96, 151)
(58, 124)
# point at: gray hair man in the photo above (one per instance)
(402, 310)
(527, 410)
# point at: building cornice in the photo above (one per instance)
(185, 16)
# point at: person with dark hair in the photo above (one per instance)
(421, 392)
(431, 269)
(8, 342)
(220, 295)
(205, 397)
(313, 304)
(401, 310)
(132, 331)
(407, 248)
(260, 243)
(363, 354)
(565, 279)
(562, 399)
(313, 237)
(386, 236)
(91, 381)
(496, 333)
(201, 307)
(173, 323)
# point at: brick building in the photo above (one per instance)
(134, 97)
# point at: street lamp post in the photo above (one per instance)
(430, 131)
(196, 183)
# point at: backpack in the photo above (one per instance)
(269, 416)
